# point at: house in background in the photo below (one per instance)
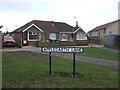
(98, 34)
(37, 31)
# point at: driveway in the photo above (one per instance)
(110, 49)
(103, 62)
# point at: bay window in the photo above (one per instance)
(52, 36)
(64, 37)
(32, 36)
(81, 36)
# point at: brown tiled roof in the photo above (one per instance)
(63, 27)
(44, 25)
(48, 26)
(103, 26)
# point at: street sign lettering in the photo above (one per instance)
(62, 49)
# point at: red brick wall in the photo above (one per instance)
(0, 40)
(32, 43)
(17, 36)
(69, 36)
(94, 41)
(74, 39)
(45, 36)
(57, 36)
(80, 41)
(25, 36)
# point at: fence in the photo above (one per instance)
(112, 41)
(94, 41)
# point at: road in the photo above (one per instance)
(98, 61)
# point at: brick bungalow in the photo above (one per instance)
(43, 31)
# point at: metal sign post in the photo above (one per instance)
(50, 63)
(74, 74)
(61, 49)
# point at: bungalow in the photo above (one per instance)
(43, 31)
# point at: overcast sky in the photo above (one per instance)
(88, 13)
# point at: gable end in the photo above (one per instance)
(31, 26)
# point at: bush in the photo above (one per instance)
(55, 44)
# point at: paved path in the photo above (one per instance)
(110, 49)
(103, 62)
(105, 48)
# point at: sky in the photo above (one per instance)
(88, 13)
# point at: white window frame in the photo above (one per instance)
(52, 36)
(65, 36)
(78, 37)
(31, 26)
(33, 33)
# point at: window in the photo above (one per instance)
(8, 38)
(52, 36)
(81, 36)
(32, 36)
(104, 30)
(64, 37)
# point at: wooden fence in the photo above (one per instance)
(112, 41)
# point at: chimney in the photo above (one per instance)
(52, 23)
(76, 23)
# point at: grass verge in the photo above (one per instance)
(30, 70)
(99, 53)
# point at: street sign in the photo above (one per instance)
(62, 49)
(59, 50)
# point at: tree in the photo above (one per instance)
(1, 26)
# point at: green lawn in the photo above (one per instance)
(99, 53)
(29, 70)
